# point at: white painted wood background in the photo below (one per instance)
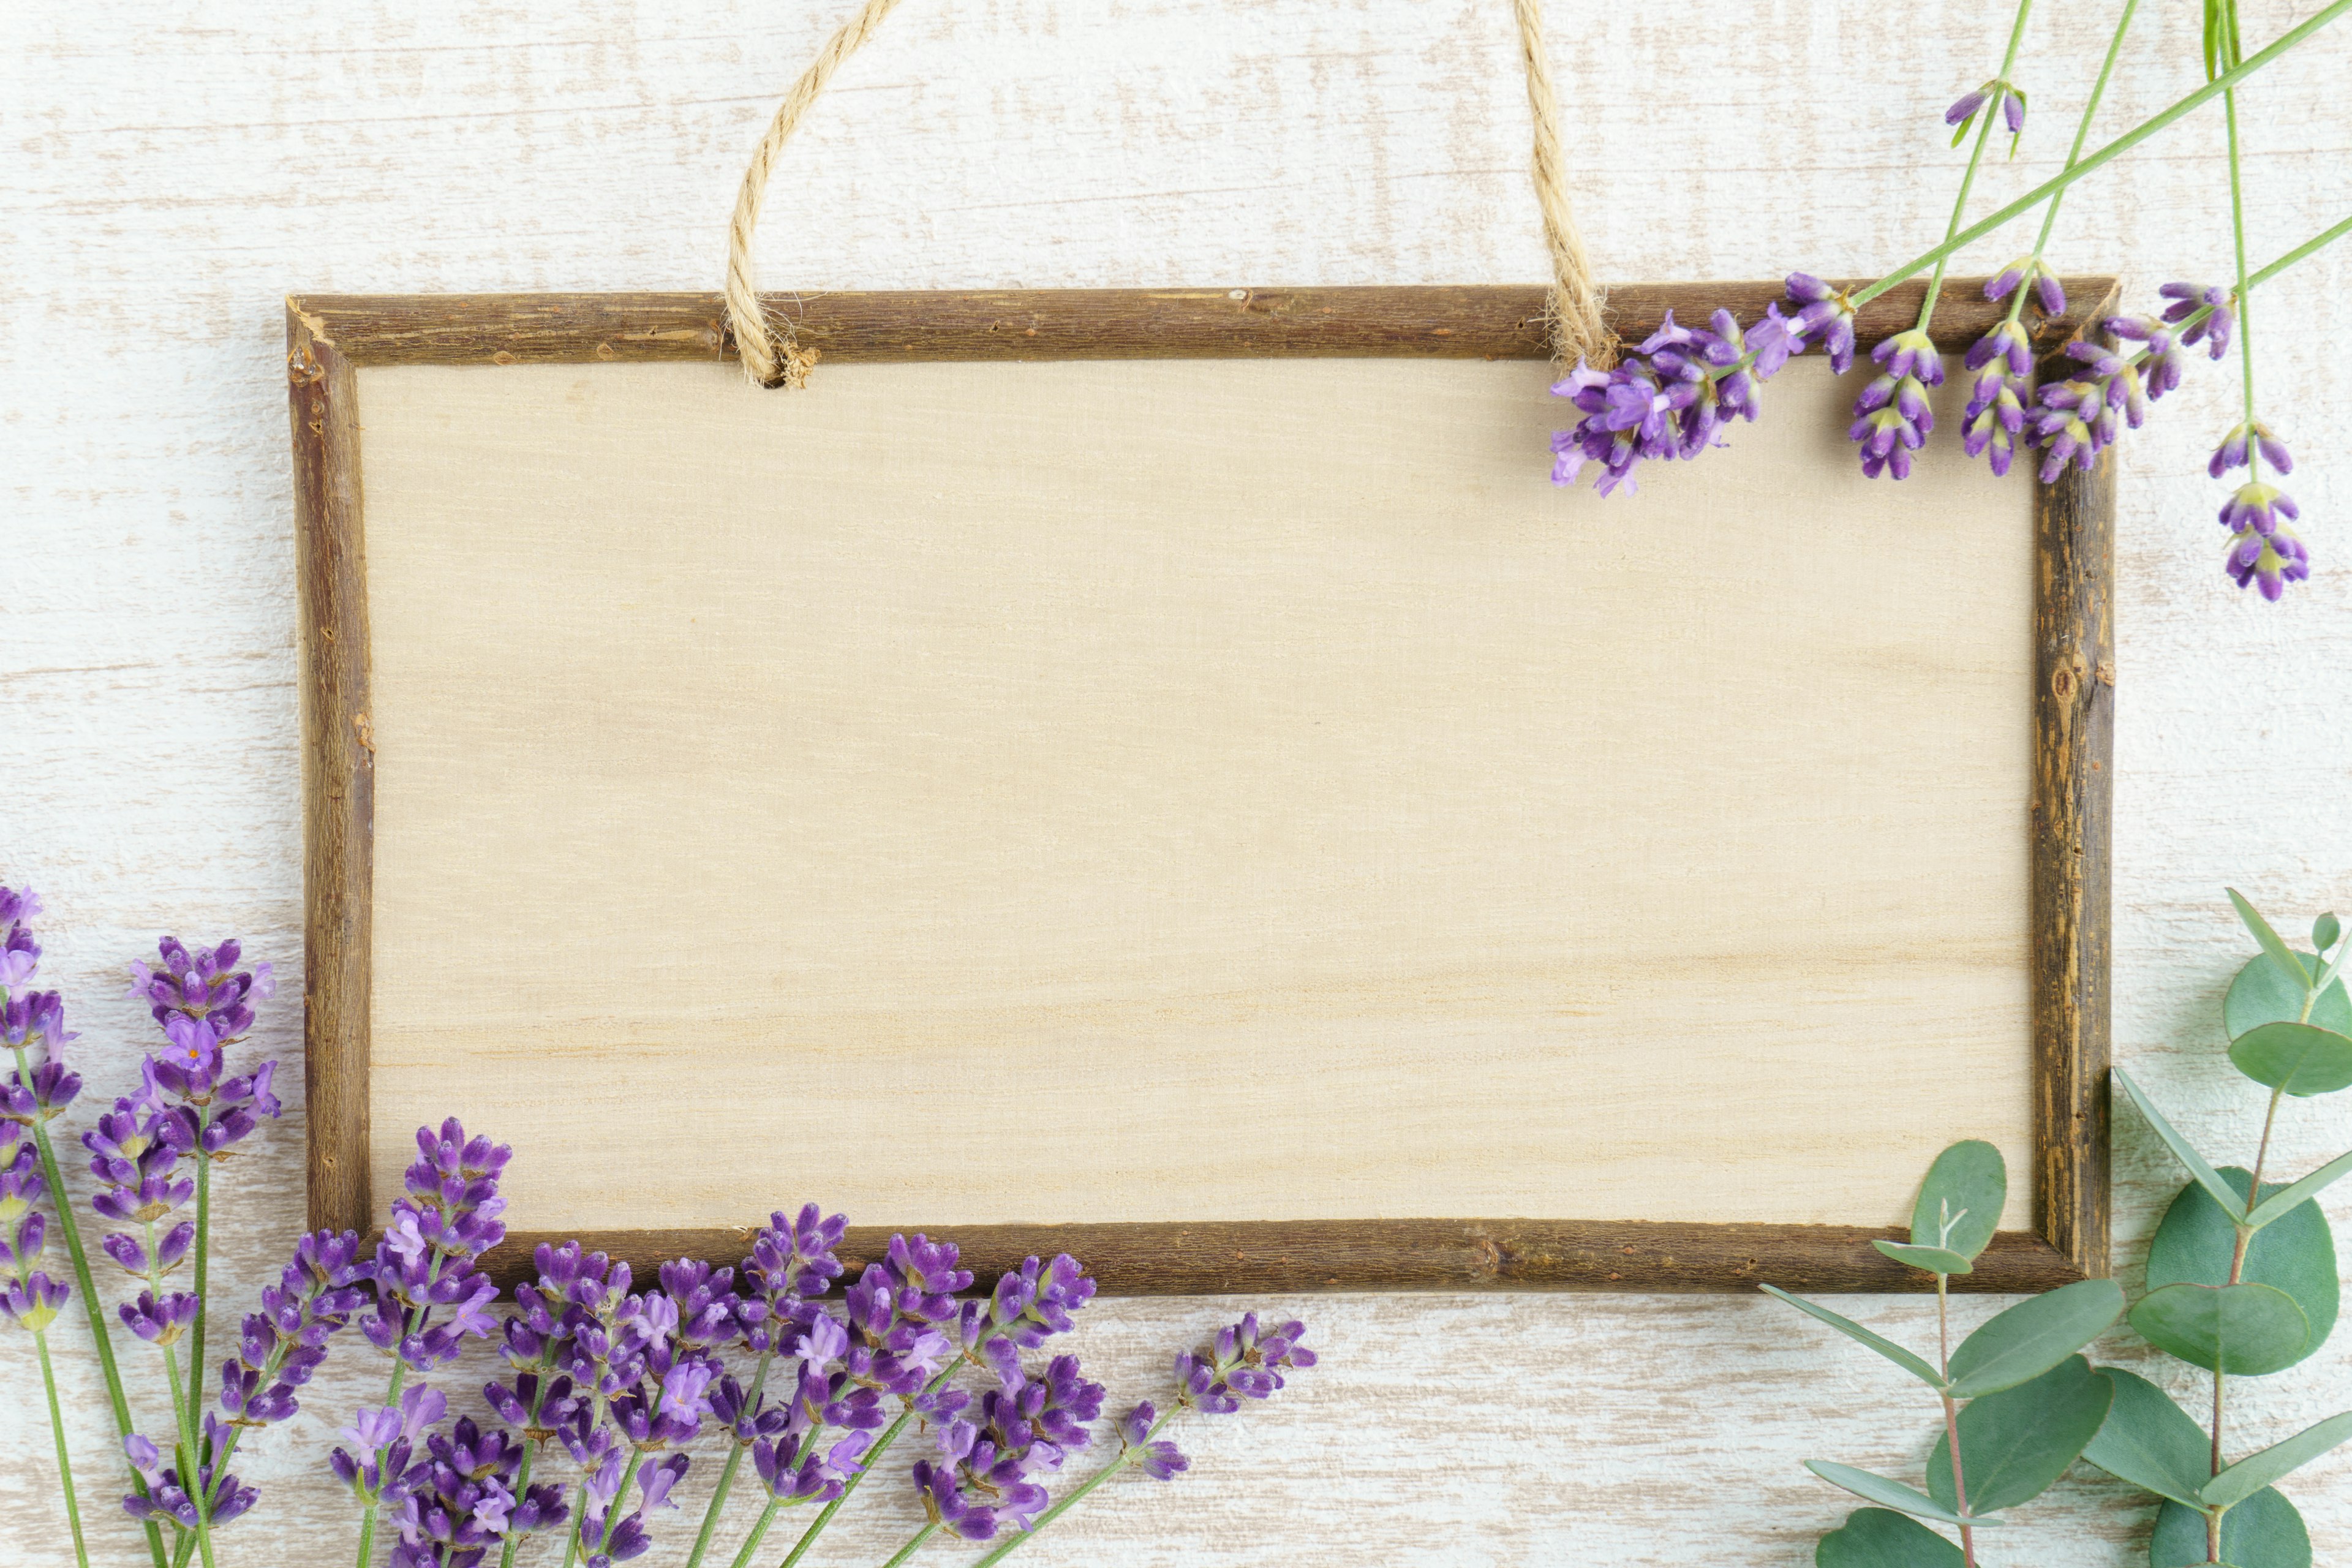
(169, 172)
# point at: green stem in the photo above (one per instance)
(204, 1236)
(758, 1533)
(913, 1546)
(58, 1431)
(2285, 42)
(882, 1445)
(1952, 1417)
(2083, 126)
(529, 1452)
(92, 1308)
(2238, 232)
(1992, 109)
(1078, 1493)
(726, 1474)
(367, 1516)
(192, 1457)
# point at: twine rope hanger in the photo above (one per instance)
(772, 357)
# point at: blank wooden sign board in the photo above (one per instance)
(1164, 776)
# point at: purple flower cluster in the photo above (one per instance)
(2006, 101)
(28, 1296)
(425, 1263)
(2002, 364)
(1892, 419)
(205, 1004)
(166, 1500)
(382, 1442)
(982, 1480)
(283, 1343)
(1155, 1456)
(1244, 1365)
(2263, 550)
(30, 1021)
(461, 1499)
(1670, 399)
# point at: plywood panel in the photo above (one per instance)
(1249, 787)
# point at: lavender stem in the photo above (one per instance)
(58, 1431)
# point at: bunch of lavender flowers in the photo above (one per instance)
(982, 1480)
(465, 1497)
(1245, 1362)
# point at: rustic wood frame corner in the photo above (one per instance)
(330, 337)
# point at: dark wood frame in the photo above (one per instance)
(328, 337)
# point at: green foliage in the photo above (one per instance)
(1933, 1259)
(2294, 1253)
(2033, 1336)
(2257, 1470)
(1859, 1335)
(2279, 1201)
(2014, 1445)
(2261, 994)
(2264, 1531)
(1877, 1538)
(2289, 965)
(2151, 1442)
(1961, 1201)
(1877, 1488)
(2183, 1150)
(2296, 1058)
(2247, 1330)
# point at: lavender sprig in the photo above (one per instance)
(29, 1298)
(464, 1495)
(1246, 1363)
(30, 1099)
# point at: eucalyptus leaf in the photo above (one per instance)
(1859, 1335)
(2033, 1336)
(1879, 1538)
(1887, 1494)
(2151, 1442)
(2298, 1058)
(2277, 1202)
(2207, 1177)
(2261, 994)
(2264, 1531)
(2196, 1243)
(2325, 930)
(1961, 1201)
(2281, 954)
(1933, 1259)
(2249, 1330)
(2015, 1444)
(2255, 1471)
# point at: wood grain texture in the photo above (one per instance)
(172, 175)
(338, 773)
(1306, 1258)
(852, 328)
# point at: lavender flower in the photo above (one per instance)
(2238, 449)
(284, 1343)
(798, 1473)
(2007, 99)
(135, 1151)
(20, 955)
(167, 1501)
(2192, 299)
(1155, 1456)
(2078, 418)
(2048, 292)
(2159, 365)
(425, 1264)
(461, 1500)
(981, 1479)
(1892, 419)
(1243, 1365)
(382, 1441)
(159, 1319)
(35, 1020)
(33, 1301)
(2271, 560)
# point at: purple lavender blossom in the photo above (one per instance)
(2160, 364)
(381, 1439)
(284, 1343)
(32, 1021)
(159, 1319)
(1245, 1365)
(2268, 560)
(167, 1501)
(2238, 449)
(2190, 299)
(33, 1301)
(2077, 417)
(425, 1264)
(1891, 418)
(460, 1501)
(982, 1480)
(1155, 1456)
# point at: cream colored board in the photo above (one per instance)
(1246, 788)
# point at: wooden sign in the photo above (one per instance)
(1163, 775)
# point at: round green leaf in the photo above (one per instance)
(2151, 1442)
(2325, 930)
(1933, 1259)
(2261, 994)
(2248, 1329)
(1961, 1201)
(2294, 1253)
(2264, 1531)
(2300, 1058)
(1881, 1537)
(2018, 1442)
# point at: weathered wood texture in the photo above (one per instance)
(1491, 321)
(171, 176)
